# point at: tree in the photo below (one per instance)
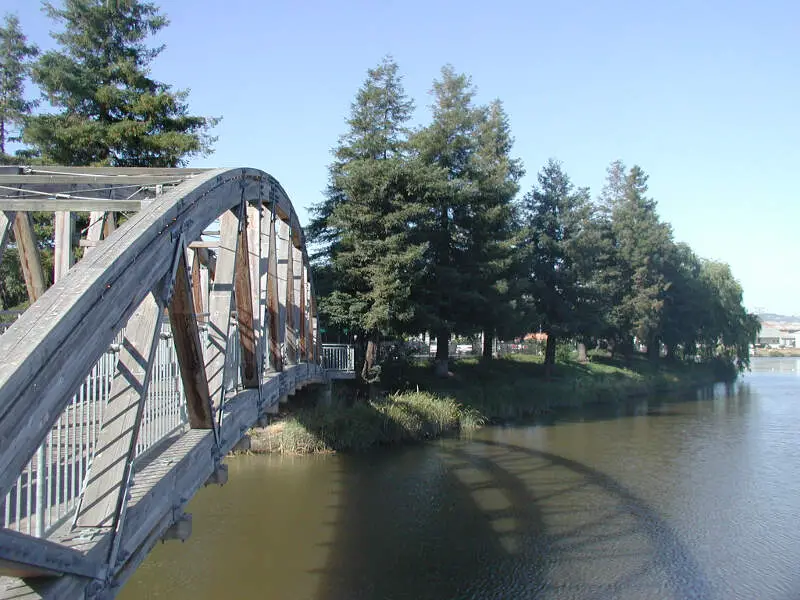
(111, 111)
(640, 242)
(495, 234)
(470, 185)
(555, 216)
(15, 54)
(367, 223)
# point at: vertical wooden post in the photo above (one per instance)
(220, 302)
(95, 230)
(102, 498)
(189, 350)
(6, 224)
(291, 305)
(29, 256)
(273, 298)
(197, 284)
(282, 234)
(297, 305)
(243, 291)
(303, 313)
(109, 224)
(64, 257)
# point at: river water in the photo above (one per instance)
(679, 498)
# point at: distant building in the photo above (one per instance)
(769, 336)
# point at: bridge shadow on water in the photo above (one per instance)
(482, 519)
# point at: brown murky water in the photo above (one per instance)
(681, 498)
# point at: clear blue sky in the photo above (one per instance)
(703, 95)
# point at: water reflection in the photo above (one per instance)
(680, 498)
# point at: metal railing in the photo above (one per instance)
(338, 357)
(47, 491)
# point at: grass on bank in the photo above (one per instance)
(389, 419)
(411, 403)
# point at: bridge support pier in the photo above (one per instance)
(243, 445)
(180, 529)
(219, 476)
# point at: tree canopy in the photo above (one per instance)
(110, 111)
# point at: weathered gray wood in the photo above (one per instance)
(297, 282)
(63, 258)
(95, 231)
(103, 291)
(189, 350)
(204, 244)
(243, 292)
(220, 303)
(25, 556)
(197, 289)
(52, 204)
(290, 309)
(303, 328)
(102, 497)
(254, 216)
(6, 224)
(273, 300)
(56, 171)
(29, 256)
(109, 223)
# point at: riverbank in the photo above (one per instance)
(422, 406)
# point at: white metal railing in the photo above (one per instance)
(47, 491)
(48, 488)
(338, 357)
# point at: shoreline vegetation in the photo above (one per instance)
(476, 393)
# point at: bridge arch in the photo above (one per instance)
(137, 293)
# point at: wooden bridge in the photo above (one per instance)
(189, 318)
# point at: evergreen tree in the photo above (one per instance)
(495, 234)
(555, 215)
(111, 111)
(471, 180)
(640, 242)
(15, 53)
(367, 223)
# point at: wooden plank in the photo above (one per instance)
(102, 496)
(197, 289)
(273, 300)
(29, 256)
(255, 214)
(26, 556)
(243, 292)
(189, 350)
(56, 170)
(95, 231)
(220, 303)
(52, 204)
(291, 306)
(109, 223)
(6, 224)
(204, 244)
(63, 258)
(303, 329)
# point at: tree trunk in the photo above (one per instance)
(370, 356)
(488, 342)
(582, 358)
(654, 349)
(442, 353)
(549, 356)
